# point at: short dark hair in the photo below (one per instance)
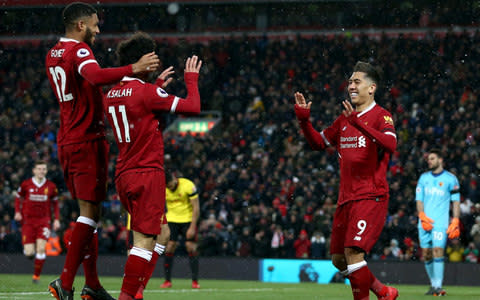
(169, 176)
(132, 49)
(75, 11)
(39, 162)
(373, 73)
(436, 151)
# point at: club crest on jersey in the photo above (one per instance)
(83, 52)
(46, 191)
(162, 93)
(388, 120)
(440, 183)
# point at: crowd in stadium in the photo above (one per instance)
(193, 17)
(263, 191)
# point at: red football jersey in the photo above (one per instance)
(81, 110)
(36, 201)
(363, 163)
(130, 107)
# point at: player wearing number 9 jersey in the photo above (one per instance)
(133, 108)
(364, 138)
(76, 78)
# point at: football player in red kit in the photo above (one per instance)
(133, 108)
(364, 137)
(35, 203)
(76, 79)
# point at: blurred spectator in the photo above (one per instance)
(319, 246)
(455, 251)
(475, 232)
(261, 245)
(302, 245)
(471, 253)
(395, 250)
(278, 241)
(288, 249)
(411, 250)
(245, 243)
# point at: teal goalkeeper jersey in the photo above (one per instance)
(436, 191)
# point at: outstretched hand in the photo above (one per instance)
(147, 63)
(193, 64)
(300, 101)
(348, 108)
(163, 76)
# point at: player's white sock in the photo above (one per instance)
(353, 267)
(143, 253)
(159, 249)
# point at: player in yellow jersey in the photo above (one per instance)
(183, 210)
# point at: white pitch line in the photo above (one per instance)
(5, 295)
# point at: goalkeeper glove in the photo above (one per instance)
(453, 230)
(426, 221)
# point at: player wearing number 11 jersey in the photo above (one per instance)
(76, 78)
(133, 108)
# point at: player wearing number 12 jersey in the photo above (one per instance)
(76, 78)
(133, 108)
(364, 138)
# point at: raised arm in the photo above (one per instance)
(161, 101)
(93, 73)
(387, 140)
(315, 139)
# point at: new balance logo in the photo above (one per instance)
(357, 238)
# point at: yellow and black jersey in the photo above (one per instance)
(179, 208)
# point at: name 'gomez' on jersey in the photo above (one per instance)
(363, 163)
(75, 78)
(81, 111)
(131, 106)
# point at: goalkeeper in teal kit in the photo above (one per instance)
(435, 190)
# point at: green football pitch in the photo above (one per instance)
(20, 287)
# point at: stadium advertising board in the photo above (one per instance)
(195, 126)
(297, 270)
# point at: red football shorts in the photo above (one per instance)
(358, 224)
(35, 230)
(85, 169)
(142, 194)
(164, 219)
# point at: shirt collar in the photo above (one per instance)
(64, 39)
(128, 78)
(369, 108)
(38, 184)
